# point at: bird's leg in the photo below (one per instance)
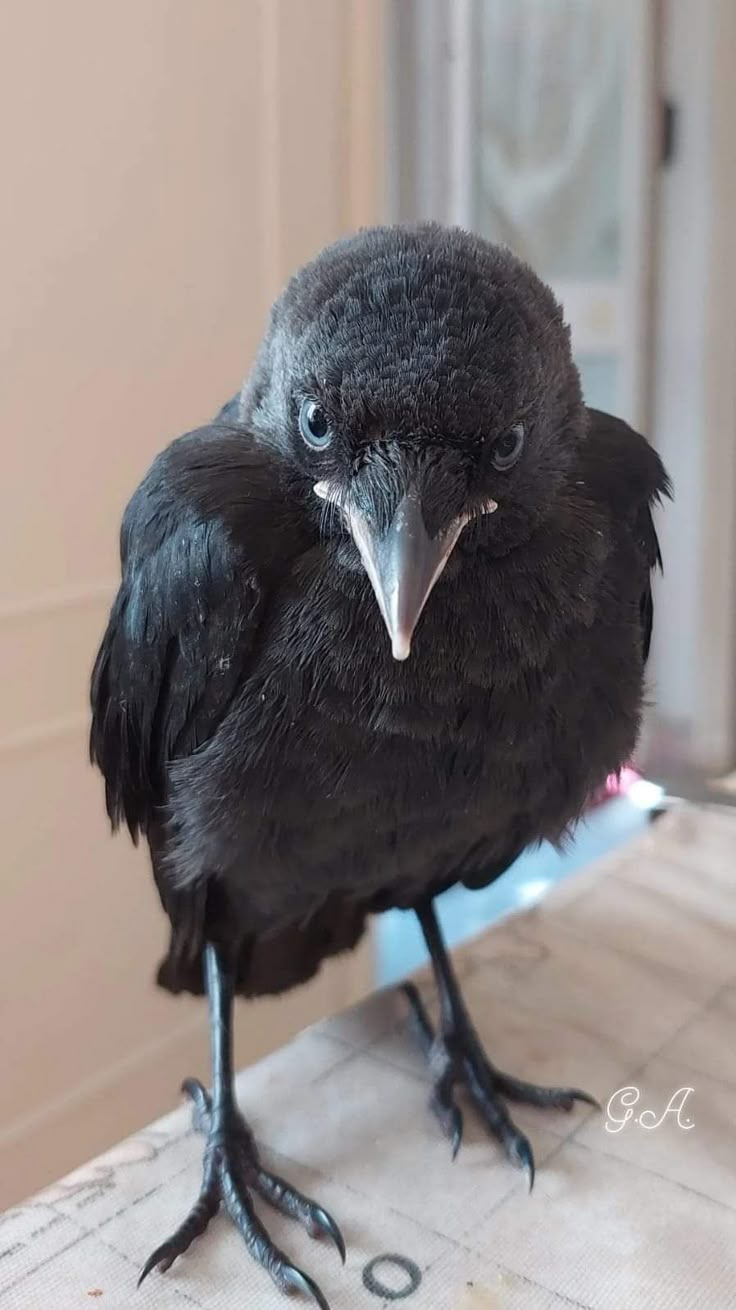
(232, 1172)
(457, 1058)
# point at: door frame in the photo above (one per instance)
(695, 399)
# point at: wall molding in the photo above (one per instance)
(63, 598)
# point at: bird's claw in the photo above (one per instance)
(324, 1223)
(523, 1156)
(577, 1095)
(449, 1114)
(545, 1098)
(162, 1259)
(205, 1206)
(457, 1131)
(292, 1279)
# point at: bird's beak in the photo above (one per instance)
(402, 563)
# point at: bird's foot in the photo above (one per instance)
(457, 1058)
(232, 1175)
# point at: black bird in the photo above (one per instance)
(412, 434)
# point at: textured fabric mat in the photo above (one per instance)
(624, 978)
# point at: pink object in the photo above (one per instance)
(616, 784)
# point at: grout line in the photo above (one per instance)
(128, 1259)
(501, 1200)
(659, 1050)
(517, 1276)
(639, 1069)
(688, 911)
(40, 1264)
(654, 1173)
(724, 1083)
(683, 864)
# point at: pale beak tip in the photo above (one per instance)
(401, 646)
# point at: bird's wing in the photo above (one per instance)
(626, 472)
(197, 541)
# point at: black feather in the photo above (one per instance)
(290, 776)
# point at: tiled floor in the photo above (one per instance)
(621, 979)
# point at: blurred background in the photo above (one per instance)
(165, 164)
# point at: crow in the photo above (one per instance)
(381, 625)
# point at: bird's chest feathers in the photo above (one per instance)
(485, 646)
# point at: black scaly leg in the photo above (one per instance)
(232, 1170)
(457, 1057)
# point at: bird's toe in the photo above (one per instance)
(289, 1201)
(546, 1098)
(204, 1208)
(232, 1174)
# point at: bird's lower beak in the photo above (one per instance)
(403, 563)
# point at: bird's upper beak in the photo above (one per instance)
(403, 563)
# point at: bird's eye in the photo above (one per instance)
(314, 425)
(508, 448)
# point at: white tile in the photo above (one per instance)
(89, 1274)
(655, 925)
(31, 1236)
(464, 1280)
(277, 1082)
(708, 1043)
(364, 1024)
(136, 1167)
(610, 1236)
(599, 989)
(707, 893)
(370, 1126)
(510, 951)
(698, 839)
(702, 1156)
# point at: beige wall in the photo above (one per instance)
(164, 164)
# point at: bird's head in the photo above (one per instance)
(419, 383)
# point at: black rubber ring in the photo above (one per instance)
(372, 1284)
